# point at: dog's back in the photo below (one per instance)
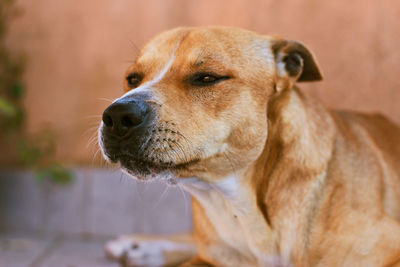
(382, 135)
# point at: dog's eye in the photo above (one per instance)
(133, 80)
(203, 79)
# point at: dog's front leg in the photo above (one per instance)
(196, 262)
(151, 251)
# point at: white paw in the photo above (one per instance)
(142, 253)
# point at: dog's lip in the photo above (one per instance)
(126, 161)
(186, 164)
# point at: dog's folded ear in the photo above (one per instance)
(294, 60)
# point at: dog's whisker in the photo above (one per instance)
(189, 144)
(145, 187)
(94, 129)
(92, 140)
(105, 99)
(166, 190)
(168, 154)
(94, 124)
(186, 157)
(177, 155)
(137, 191)
(94, 132)
(125, 179)
(184, 199)
(94, 156)
(180, 156)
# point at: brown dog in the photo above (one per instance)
(275, 177)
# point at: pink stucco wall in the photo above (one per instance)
(78, 51)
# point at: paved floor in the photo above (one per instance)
(99, 203)
(17, 250)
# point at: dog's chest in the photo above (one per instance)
(225, 209)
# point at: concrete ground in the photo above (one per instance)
(17, 250)
(43, 224)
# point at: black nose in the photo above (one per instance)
(124, 116)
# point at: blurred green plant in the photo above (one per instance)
(34, 151)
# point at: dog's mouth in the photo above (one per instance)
(144, 170)
(160, 150)
(140, 167)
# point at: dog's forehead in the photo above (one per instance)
(161, 46)
(202, 44)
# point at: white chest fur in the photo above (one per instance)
(226, 205)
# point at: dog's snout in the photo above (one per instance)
(124, 116)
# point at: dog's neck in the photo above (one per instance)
(287, 175)
(294, 121)
(292, 118)
(279, 185)
(299, 138)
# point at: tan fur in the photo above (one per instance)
(302, 185)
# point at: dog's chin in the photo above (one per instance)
(165, 176)
(148, 171)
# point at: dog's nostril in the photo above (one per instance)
(123, 118)
(107, 120)
(130, 121)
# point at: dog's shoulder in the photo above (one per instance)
(384, 132)
(377, 130)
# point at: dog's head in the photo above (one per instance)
(196, 101)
